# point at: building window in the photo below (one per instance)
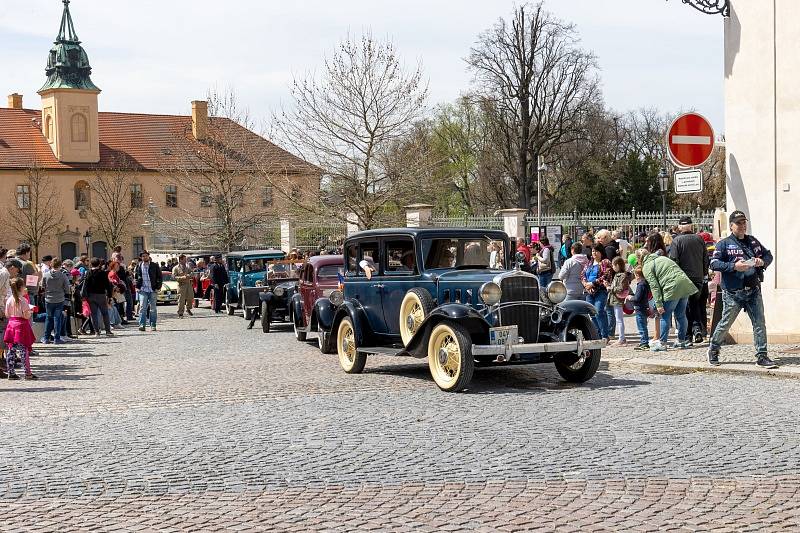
(137, 198)
(138, 246)
(78, 127)
(266, 196)
(48, 128)
(171, 192)
(81, 195)
(23, 196)
(205, 196)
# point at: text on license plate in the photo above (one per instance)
(503, 335)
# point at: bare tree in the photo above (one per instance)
(350, 120)
(38, 215)
(543, 84)
(114, 204)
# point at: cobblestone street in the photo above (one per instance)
(205, 426)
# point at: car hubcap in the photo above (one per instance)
(585, 354)
(348, 345)
(414, 318)
(448, 356)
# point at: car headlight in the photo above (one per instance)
(556, 291)
(279, 291)
(336, 297)
(490, 293)
(259, 283)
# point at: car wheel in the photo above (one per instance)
(350, 359)
(264, 317)
(417, 304)
(324, 342)
(579, 367)
(299, 335)
(450, 357)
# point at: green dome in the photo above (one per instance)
(67, 64)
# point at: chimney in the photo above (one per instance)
(15, 101)
(200, 119)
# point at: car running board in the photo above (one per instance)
(381, 351)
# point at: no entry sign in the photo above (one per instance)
(690, 140)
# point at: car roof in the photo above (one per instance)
(427, 232)
(324, 260)
(257, 253)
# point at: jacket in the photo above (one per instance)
(728, 251)
(218, 274)
(570, 274)
(620, 284)
(689, 251)
(600, 277)
(154, 273)
(96, 282)
(640, 298)
(666, 279)
(56, 287)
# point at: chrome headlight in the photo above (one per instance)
(336, 297)
(556, 291)
(259, 283)
(490, 293)
(279, 291)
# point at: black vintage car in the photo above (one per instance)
(269, 300)
(447, 295)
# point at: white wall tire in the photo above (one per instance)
(450, 357)
(350, 359)
(417, 304)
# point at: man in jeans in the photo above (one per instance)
(56, 292)
(148, 281)
(741, 259)
(689, 250)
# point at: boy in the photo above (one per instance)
(641, 305)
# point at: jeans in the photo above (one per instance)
(696, 310)
(128, 306)
(598, 300)
(147, 299)
(611, 320)
(545, 279)
(99, 302)
(733, 302)
(678, 307)
(55, 318)
(641, 325)
(619, 314)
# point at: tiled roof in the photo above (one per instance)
(146, 142)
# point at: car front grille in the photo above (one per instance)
(525, 317)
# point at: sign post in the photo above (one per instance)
(691, 140)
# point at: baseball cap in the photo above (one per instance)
(685, 220)
(737, 216)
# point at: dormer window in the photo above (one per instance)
(78, 128)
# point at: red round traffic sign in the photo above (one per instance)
(690, 140)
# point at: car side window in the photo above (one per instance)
(352, 260)
(369, 259)
(400, 258)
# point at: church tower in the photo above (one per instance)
(69, 99)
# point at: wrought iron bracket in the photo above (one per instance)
(711, 7)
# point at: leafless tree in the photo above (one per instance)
(115, 206)
(543, 84)
(350, 121)
(38, 214)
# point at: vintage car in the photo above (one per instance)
(246, 269)
(168, 293)
(446, 295)
(269, 299)
(318, 278)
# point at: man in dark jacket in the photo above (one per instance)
(148, 282)
(741, 259)
(97, 290)
(689, 251)
(219, 278)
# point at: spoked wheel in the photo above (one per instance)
(416, 306)
(350, 359)
(450, 357)
(264, 317)
(299, 335)
(578, 367)
(324, 342)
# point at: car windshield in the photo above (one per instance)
(282, 268)
(464, 252)
(329, 271)
(167, 276)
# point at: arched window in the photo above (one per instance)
(81, 195)
(78, 127)
(48, 128)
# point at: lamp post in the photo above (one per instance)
(540, 166)
(663, 183)
(87, 239)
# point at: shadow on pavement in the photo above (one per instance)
(37, 389)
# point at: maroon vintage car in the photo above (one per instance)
(318, 278)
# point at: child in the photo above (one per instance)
(19, 334)
(619, 290)
(641, 309)
(115, 318)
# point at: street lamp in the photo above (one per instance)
(540, 166)
(663, 183)
(87, 239)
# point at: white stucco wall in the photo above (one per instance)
(762, 129)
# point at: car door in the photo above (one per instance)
(401, 273)
(366, 291)
(307, 291)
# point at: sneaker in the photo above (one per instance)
(109, 334)
(44, 340)
(180, 316)
(642, 347)
(153, 328)
(713, 357)
(656, 346)
(60, 341)
(13, 376)
(31, 377)
(698, 338)
(141, 328)
(765, 362)
(98, 334)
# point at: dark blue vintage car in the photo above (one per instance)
(447, 295)
(246, 269)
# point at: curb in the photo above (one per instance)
(725, 368)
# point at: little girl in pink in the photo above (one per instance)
(19, 335)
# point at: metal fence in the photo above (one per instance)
(630, 223)
(487, 222)
(317, 234)
(190, 236)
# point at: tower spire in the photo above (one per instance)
(66, 32)
(67, 64)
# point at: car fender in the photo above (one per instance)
(577, 307)
(570, 319)
(465, 315)
(325, 312)
(233, 295)
(296, 305)
(360, 324)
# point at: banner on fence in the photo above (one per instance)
(554, 234)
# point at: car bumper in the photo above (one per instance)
(538, 347)
(164, 299)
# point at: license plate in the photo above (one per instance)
(503, 335)
(167, 294)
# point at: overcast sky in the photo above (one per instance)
(153, 56)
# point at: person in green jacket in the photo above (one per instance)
(671, 289)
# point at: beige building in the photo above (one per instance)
(762, 123)
(70, 143)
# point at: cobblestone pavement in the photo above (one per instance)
(206, 426)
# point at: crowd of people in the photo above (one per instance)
(668, 277)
